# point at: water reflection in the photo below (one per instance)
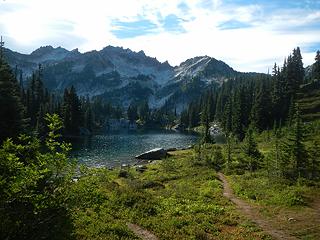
(117, 148)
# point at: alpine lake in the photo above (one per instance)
(116, 148)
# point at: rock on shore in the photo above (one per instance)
(154, 154)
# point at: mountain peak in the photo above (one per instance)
(42, 50)
(48, 53)
(76, 50)
(141, 52)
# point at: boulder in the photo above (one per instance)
(154, 154)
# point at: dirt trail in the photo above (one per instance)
(142, 233)
(252, 213)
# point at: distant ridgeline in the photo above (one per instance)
(122, 77)
(88, 89)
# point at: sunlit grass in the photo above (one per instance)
(176, 198)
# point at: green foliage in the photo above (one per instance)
(57, 155)
(205, 121)
(181, 201)
(168, 165)
(295, 148)
(261, 109)
(227, 117)
(33, 186)
(250, 149)
(11, 113)
(259, 187)
(216, 160)
(240, 110)
(313, 166)
(71, 111)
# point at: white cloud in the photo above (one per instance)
(87, 25)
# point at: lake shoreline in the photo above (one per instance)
(118, 148)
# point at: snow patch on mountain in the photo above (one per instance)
(191, 67)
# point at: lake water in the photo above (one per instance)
(114, 149)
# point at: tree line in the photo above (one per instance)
(259, 102)
(250, 108)
(23, 106)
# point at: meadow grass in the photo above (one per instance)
(176, 198)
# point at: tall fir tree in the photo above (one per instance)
(239, 113)
(205, 121)
(227, 116)
(297, 148)
(11, 108)
(261, 109)
(71, 110)
(277, 94)
(250, 149)
(294, 72)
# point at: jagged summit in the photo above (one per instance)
(42, 50)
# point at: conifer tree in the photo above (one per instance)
(193, 115)
(132, 112)
(40, 127)
(294, 72)
(219, 107)
(144, 111)
(11, 109)
(228, 150)
(261, 109)
(316, 67)
(296, 147)
(292, 111)
(72, 115)
(277, 94)
(250, 149)
(314, 160)
(205, 121)
(298, 64)
(88, 118)
(184, 120)
(239, 113)
(227, 116)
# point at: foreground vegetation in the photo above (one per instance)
(284, 195)
(176, 198)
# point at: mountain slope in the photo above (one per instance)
(122, 76)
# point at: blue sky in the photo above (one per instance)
(249, 35)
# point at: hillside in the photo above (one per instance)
(121, 76)
(309, 100)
